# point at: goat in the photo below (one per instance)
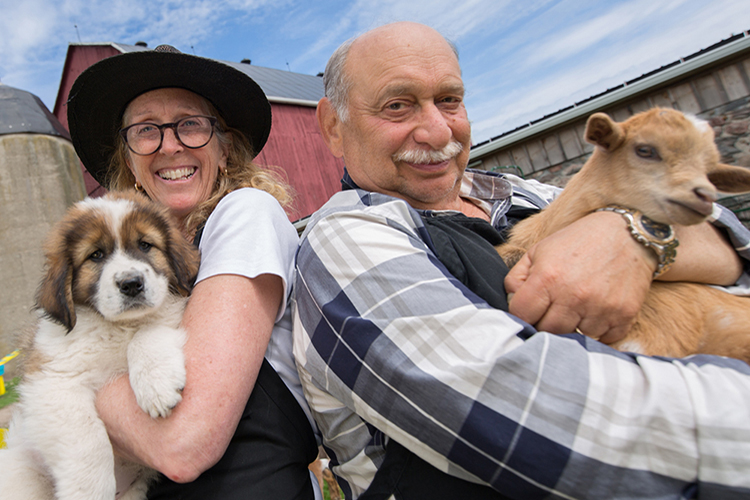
(666, 165)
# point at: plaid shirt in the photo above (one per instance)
(390, 346)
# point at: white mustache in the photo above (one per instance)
(421, 156)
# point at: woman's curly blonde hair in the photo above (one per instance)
(240, 172)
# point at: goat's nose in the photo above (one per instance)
(705, 194)
(131, 286)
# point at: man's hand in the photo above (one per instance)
(591, 276)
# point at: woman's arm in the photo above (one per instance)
(229, 320)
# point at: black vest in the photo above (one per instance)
(267, 456)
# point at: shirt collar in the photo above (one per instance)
(475, 184)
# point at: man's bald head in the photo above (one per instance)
(338, 82)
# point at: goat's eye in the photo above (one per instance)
(648, 152)
(96, 255)
(144, 246)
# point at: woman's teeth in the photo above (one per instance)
(179, 173)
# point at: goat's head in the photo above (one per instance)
(664, 164)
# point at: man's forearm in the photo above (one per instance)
(704, 256)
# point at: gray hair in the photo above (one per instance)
(337, 83)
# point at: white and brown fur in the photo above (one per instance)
(666, 165)
(117, 277)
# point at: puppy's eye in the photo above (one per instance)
(144, 246)
(96, 256)
(647, 152)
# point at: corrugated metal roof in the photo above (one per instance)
(279, 85)
(22, 112)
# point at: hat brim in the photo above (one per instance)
(101, 93)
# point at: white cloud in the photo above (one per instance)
(35, 33)
(25, 26)
(621, 22)
(458, 21)
(521, 60)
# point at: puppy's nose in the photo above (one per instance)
(131, 286)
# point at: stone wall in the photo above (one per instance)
(731, 124)
(720, 95)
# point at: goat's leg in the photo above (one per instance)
(727, 325)
(681, 319)
(670, 322)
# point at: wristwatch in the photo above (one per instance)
(654, 235)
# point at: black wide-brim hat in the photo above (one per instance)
(101, 93)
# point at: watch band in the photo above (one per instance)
(654, 235)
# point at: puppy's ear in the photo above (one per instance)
(55, 294)
(184, 259)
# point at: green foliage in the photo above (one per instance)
(11, 394)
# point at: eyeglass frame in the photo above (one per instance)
(173, 125)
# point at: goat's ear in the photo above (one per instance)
(730, 179)
(604, 132)
(55, 294)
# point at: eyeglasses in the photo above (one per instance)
(146, 138)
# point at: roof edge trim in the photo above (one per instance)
(685, 67)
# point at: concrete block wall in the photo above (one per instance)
(40, 176)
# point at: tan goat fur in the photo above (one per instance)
(666, 165)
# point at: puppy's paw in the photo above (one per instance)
(158, 390)
(157, 371)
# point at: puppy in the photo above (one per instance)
(118, 274)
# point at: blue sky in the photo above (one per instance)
(520, 60)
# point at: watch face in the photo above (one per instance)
(656, 229)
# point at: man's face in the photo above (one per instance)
(406, 96)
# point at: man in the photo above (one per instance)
(411, 365)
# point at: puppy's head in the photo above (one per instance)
(120, 255)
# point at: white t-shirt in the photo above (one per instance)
(248, 234)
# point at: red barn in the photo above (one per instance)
(295, 144)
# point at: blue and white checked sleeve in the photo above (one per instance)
(388, 343)
(739, 237)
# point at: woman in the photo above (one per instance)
(184, 129)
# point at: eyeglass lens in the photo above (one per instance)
(146, 138)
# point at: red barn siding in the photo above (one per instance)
(78, 59)
(294, 144)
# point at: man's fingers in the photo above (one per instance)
(615, 333)
(559, 319)
(595, 327)
(528, 305)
